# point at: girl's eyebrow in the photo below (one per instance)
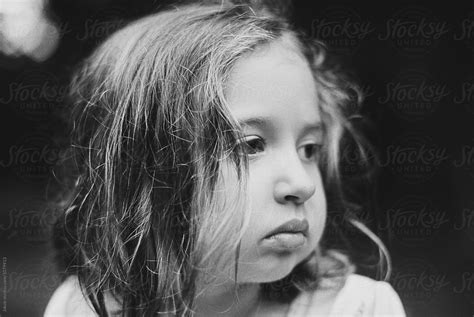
(258, 121)
(264, 122)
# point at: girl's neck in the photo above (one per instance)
(242, 300)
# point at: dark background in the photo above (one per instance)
(415, 63)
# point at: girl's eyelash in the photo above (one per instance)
(252, 145)
(315, 149)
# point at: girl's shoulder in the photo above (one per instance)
(359, 296)
(68, 300)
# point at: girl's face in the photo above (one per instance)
(272, 93)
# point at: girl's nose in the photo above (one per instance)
(294, 183)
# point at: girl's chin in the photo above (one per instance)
(267, 270)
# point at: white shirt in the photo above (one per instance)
(359, 297)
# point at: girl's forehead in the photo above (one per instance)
(283, 49)
(286, 45)
(274, 77)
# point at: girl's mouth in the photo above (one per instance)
(292, 226)
(289, 236)
(285, 241)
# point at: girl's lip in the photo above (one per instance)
(292, 226)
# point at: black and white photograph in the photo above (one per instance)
(227, 158)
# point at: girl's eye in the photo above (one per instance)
(311, 151)
(252, 145)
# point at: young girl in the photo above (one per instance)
(206, 138)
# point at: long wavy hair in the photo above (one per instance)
(150, 131)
